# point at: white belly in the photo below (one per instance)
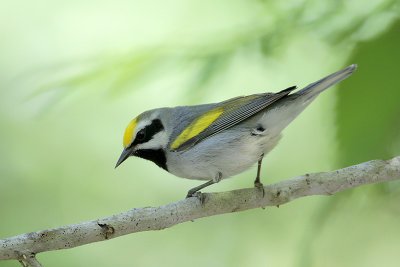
(229, 153)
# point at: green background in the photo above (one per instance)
(74, 73)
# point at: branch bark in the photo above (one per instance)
(209, 204)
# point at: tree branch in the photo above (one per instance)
(209, 204)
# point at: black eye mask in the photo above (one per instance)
(148, 132)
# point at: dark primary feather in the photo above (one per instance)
(236, 110)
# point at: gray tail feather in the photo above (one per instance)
(317, 87)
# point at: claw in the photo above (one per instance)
(190, 194)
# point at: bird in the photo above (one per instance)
(215, 141)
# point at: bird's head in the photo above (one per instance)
(146, 137)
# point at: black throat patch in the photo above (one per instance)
(156, 156)
(145, 135)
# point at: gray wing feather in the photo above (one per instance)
(235, 111)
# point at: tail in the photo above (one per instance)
(317, 87)
(286, 109)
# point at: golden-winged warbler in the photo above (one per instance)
(216, 141)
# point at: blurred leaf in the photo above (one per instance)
(134, 69)
(358, 22)
(211, 66)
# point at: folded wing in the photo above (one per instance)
(226, 115)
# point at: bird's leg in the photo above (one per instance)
(192, 191)
(257, 182)
(197, 188)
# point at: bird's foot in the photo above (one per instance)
(195, 191)
(191, 193)
(197, 194)
(260, 187)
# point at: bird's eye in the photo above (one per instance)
(140, 135)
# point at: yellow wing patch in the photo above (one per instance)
(197, 126)
(129, 131)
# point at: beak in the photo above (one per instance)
(124, 155)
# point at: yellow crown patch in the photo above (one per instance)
(129, 131)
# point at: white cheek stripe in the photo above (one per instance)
(159, 140)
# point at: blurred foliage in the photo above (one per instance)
(372, 115)
(272, 29)
(368, 123)
(88, 67)
(369, 120)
